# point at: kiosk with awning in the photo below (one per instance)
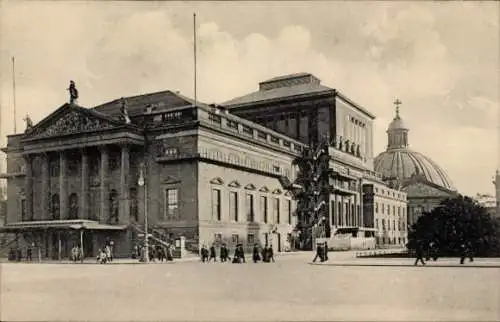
(57, 226)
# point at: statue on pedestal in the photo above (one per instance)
(124, 111)
(29, 123)
(73, 92)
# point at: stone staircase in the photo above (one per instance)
(156, 237)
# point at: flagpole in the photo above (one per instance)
(194, 57)
(14, 91)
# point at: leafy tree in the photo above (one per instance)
(454, 222)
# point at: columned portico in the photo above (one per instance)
(84, 208)
(63, 190)
(28, 187)
(104, 184)
(124, 216)
(45, 189)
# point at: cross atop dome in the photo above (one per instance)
(397, 102)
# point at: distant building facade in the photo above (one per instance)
(424, 181)
(385, 210)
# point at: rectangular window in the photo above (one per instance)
(276, 210)
(250, 239)
(376, 223)
(218, 238)
(383, 208)
(287, 210)
(233, 205)
(388, 209)
(235, 239)
(216, 205)
(171, 204)
(376, 207)
(249, 208)
(263, 208)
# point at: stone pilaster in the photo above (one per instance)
(63, 182)
(45, 188)
(124, 216)
(104, 184)
(28, 187)
(84, 194)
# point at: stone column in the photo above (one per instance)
(104, 184)
(84, 194)
(124, 215)
(63, 191)
(45, 187)
(28, 187)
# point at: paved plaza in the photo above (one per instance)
(290, 289)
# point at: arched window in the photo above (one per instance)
(73, 206)
(54, 207)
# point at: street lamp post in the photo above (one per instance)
(142, 183)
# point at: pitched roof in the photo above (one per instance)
(136, 104)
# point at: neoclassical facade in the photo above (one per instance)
(211, 173)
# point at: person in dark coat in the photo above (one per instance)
(256, 253)
(326, 251)
(270, 253)
(213, 254)
(419, 252)
(204, 254)
(319, 253)
(29, 254)
(224, 253)
(265, 254)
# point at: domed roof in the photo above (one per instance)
(402, 163)
(397, 124)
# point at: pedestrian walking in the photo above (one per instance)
(320, 252)
(419, 252)
(224, 253)
(204, 254)
(213, 254)
(256, 253)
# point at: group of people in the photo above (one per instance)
(162, 253)
(16, 254)
(105, 254)
(430, 250)
(209, 254)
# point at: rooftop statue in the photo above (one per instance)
(124, 111)
(29, 123)
(73, 92)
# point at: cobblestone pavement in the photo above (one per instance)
(289, 289)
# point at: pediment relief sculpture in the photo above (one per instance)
(234, 184)
(217, 180)
(71, 123)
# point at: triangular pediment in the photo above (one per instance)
(70, 120)
(288, 193)
(169, 179)
(234, 184)
(277, 191)
(264, 189)
(426, 189)
(250, 187)
(217, 180)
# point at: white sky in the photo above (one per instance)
(441, 59)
